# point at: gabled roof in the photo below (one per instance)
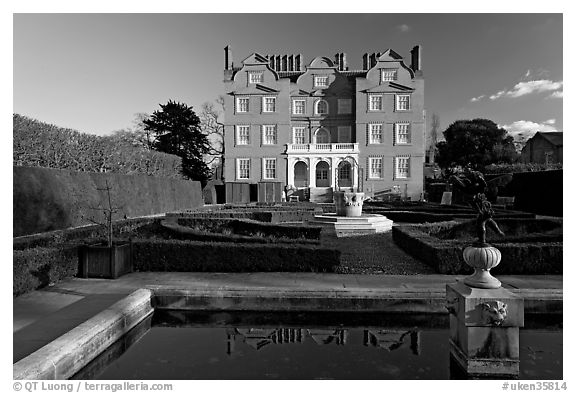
(256, 89)
(390, 55)
(555, 138)
(389, 87)
(300, 92)
(255, 58)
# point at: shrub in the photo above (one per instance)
(272, 216)
(186, 256)
(440, 245)
(37, 267)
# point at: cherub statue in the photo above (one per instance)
(473, 185)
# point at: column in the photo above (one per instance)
(312, 172)
(334, 172)
(290, 169)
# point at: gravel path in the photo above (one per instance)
(374, 254)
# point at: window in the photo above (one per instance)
(402, 102)
(243, 165)
(321, 107)
(389, 74)
(298, 107)
(269, 104)
(255, 77)
(242, 135)
(402, 167)
(269, 135)
(402, 133)
(375, 133)
(321, 81)
(299, 135)
(548, 157)
(322, 136)
(269, 168)
(376, 168)
(242, 104)
(375, 102)
(345, 106)
(344, 134)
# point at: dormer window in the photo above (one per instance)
(255, 77)
(321, 81)
(389, 74)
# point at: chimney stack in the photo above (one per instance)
(297, 62)
(337, 60)
(284, 63)
(416, 53)
(228, 62)
(291, 63)
(365, 61)
(343, 62)
(372, 60)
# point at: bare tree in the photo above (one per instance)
(212, 125)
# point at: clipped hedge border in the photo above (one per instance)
(154, 255)
(445, 255)
(37, 267)
(274, 217)
(80, 234)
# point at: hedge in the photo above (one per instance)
(271, 216)
(533, 254)
(91, 233)
(37, 267)
(223, 230)
(185, 256)
(51, 199)
(36, 143)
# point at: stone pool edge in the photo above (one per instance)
(69, 353)
(65, 356)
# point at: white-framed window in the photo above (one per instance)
(402, 102)
(402, 167)
(269, 168)
(374, 102)
(242, 135)
(242, 104)
(345, 106)
(321, 81)
(402, 133)
(299, 135)
(375, 133)
(269, 134)
(268, 104)
(375, 168)
(298, 107)
(344, 134)
(255, 77)
(322, 136)
(388, 74)
(321, 107)
(243, 167)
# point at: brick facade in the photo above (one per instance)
(323, 125)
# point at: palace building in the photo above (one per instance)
(321, 127)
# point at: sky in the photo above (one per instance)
(94, 72)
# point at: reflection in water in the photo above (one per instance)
(224, 346)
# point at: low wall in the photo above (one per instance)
(51, 199)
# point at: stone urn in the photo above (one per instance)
(348, 203)
(482, 257)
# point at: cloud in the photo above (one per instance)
(404, 28)
(527, 87)
(522, 130)
(556, 94)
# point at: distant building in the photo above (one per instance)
(323, 126)
(543, 148)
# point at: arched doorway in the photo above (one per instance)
(322, 174)
(322, 136)
(344, 174)
(301, 174)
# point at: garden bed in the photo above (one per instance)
(531, 246)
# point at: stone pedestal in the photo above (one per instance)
(366, 224)
(484, 330)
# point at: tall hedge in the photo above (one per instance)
(36, 143)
